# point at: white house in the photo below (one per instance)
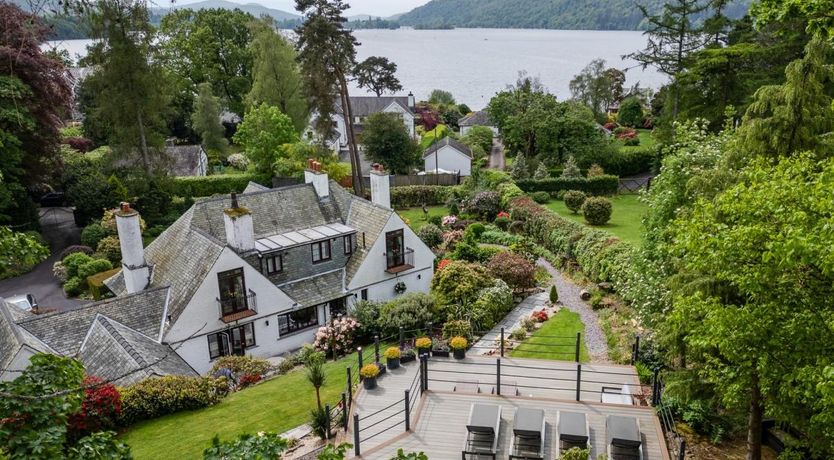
(448, 154)
(479, 118)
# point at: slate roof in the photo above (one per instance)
(370, 219)
(65, 331)
(362, 106)
(454, 143)
(252, 187)
(186, 160)
(479, 118)
(317, 289)
(112, 350)
(9, 337)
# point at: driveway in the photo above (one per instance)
(59, 229)
(496, 156)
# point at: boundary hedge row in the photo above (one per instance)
(196, 186)
(598, 185)
(409, 196)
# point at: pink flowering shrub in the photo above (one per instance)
(449, 220)
(337, 337)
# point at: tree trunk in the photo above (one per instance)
(358, 186)
(754, 421)
(143, 144)
(318, 397)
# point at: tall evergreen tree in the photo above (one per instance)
(133, 93)
(206, 120)
(275, 75)
(327, 53)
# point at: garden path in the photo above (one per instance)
(570, 299)
(511, 321)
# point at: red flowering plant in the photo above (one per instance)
(443, 263)
(539, 316)
(100, 408)
(610, 126)
(503, 214)
(248, 379)
(518, 272)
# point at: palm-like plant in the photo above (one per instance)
(316, 377)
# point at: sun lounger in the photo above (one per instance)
(528, 435)
(572, 430)
(624, 440)
(482, 432)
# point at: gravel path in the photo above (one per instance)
(569, 298)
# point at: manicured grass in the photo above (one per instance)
(559, 330)
(277, 405)
(625, 220)
(428, 137)
(416, 218)
(646, 141)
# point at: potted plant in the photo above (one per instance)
(440, 348)
(369, 372)
(407, 355)
(458, 345)
(423, 345)
(392, 357)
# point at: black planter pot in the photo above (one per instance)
(369, 383)
(423, 351)
(381, 368)
(393, 363)
(459, 354)
(440, 353)
(407, 359)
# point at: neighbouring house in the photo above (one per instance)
(186, 160)
(448, 155)
(479, 118)
(254, 274)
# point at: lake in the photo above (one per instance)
(476, 63)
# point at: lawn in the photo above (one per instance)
(556, 339)
(646, 141)
(625, 220)
(416, 218)
(276, 405)
(428, 137)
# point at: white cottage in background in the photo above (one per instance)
(479, 118)
(448, 155)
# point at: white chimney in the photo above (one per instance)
(411, 102)
(314, 175)
(240, 232)
(380, 186)
(134, 268)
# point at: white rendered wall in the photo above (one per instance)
(450, 159)
(320, 182)
(381, 189)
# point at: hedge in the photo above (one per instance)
(212, 185)
(158, 396)
(599, 185)
(620, 163)
(409, 196)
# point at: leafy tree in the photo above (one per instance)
(206, 120)
(87, 188)
(19, 252)
(262, 134)
(377, 75)
(34, 412)
(441, 99)
(817, 13)
(594, 87)
(132, 91)
(292, 160)
(480, 136)
(275, 75)
(673, 37)
(34, 95)
(246, 446)
(210, 45)
(631, 113)
(327, 53)
(386, 141)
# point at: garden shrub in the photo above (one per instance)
(92, 234)
(599, 185)
(110, 249)
(574, 200)
(474, 231)
(366, 313)
(554, 294)
(485, 205)
(457, 327)
(508, 191)
(630, 113)
(410, 196)
(262, 445)
(238, 161)
(73, 287)
(597, 210)
(459, 283)
(436, 220)
(575, 453)
(242, 365)
(411, 311)
(92, 267)
(99, 411)
(431, 234)
(492, 304)
(514, 269)
(632, 142)
(595, 170)
(75, 248)
(491, 178)
(469, 251)
(74, 261)
(59, 270)
(158, 396)
(540, 197)
(518, 334)
(286, 365)
(82, 144)
(337, 337)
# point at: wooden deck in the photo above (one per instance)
(438, 418)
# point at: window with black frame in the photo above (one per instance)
(272, 264)
(232, 291)
(394, 249)
(232, 341)
(298, 320)
(348, 242)
(321, 251)
(338, 307)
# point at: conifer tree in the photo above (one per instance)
(206, 120)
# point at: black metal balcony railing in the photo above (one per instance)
(237, 307)
(399, 261)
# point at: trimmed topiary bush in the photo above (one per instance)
(431, 234)
(92, 234)
(597, 210)
(574, 199)
(74, 261)
(540, 197)
(76, 248)
(411, 311)
(73, 287)
(242, 365)
(94, 266)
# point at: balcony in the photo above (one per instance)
(237, 307)
(399, 261)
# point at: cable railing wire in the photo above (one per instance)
(380, 432)
(380, 410)
(364, 428)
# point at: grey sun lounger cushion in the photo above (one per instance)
(622, 431)
(572, 427)
(528, 422)
(484, 418)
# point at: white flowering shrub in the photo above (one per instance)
(337, 337)
(238, 161)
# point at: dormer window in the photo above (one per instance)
(321, 251)
(348, 241)
(273, 263)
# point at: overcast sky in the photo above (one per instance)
(372, 7)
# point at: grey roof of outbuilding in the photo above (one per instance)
(252, 187)
(362, 106)
(454, 143)
(479, 118)
(65, 331)
(114, 351)
(317, 289)
(185, 160)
